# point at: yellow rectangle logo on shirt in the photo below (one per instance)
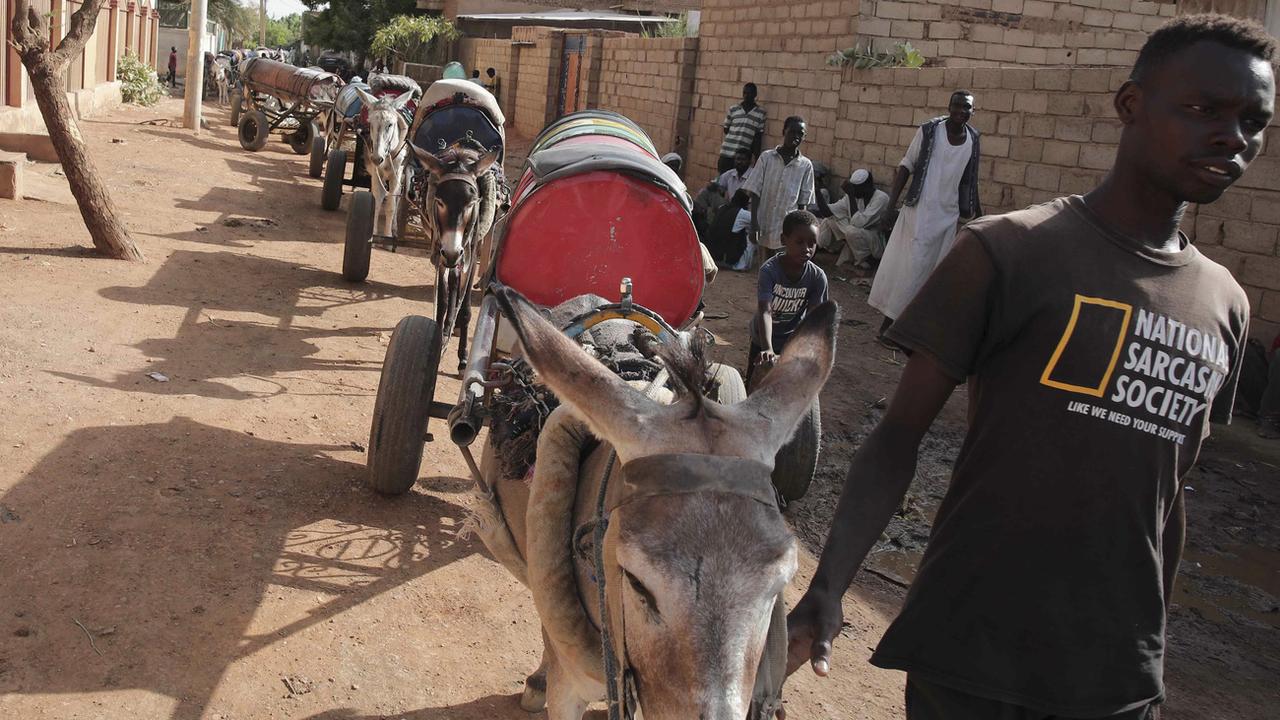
(1086, 355)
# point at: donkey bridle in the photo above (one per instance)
(668, 475)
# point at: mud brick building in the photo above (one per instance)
(1043, 72)
(123, 26)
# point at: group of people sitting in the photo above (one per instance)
(853, 227)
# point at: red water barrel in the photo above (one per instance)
(584, 233)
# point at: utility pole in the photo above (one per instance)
(262, 24)
(195, 65)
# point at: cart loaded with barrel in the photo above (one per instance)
(277, 97)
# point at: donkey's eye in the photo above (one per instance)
(646, 598)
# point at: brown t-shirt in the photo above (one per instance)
(1095, 365)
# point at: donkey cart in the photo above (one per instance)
(596, 215)
(346, 123)
(276, 96)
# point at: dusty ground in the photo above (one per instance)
(203, 547)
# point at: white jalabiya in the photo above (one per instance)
(925, 233)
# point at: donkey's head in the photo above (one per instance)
(387, 126)
(454, 175)
(699, 565)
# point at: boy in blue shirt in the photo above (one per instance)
(790, 284)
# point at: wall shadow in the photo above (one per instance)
(493, 707)
(163, 540)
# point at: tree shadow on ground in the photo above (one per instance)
(240, 341)
(163, 540)
(493, 707)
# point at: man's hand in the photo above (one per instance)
(811, 628)
(887, 221)
(767, 358)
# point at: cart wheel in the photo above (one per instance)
(300, 140)
(237, 101)
(359, 245)
(317, 157)
(728, 385)
(401, 412)
(254, 130)
(797, 461)
(334, 173)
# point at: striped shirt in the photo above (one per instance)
(742, 128)
(782, 187)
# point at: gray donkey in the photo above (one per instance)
(695, 552)
(458, 210)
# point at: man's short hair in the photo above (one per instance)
(797, 218)
(742, 152)
(750, 86)
(960, 93)
(1183, 32)
(792, 120)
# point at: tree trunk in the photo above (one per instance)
(45, 68)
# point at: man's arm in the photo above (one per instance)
(1175, 534)
(899, 183)
(878, 479)
(764, 328)
(755, 212)
(824, 210)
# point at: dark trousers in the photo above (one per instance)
(172, 79)
(1269, 410)
(930, 701)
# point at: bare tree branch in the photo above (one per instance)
(79, 30)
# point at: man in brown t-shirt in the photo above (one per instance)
(1098, 345)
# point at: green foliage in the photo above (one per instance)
(284, 32)
(411, 37)
(139, 84)
(344, 25)
(678, 29)
(903, 55)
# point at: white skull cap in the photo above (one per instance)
(859, 176)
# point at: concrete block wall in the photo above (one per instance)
(534, 78)
(1048, 132)
(480, 54)
(783, 48)
(650, 80)
(975, 33)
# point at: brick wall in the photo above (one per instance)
(780, 46)
(481, 54)
(1051, 132)
(537, 58)
(650, 80)
(969, 33)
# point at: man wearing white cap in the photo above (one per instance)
(850, 227)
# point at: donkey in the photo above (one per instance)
(458, 210)
(698, 554)
(385, 154)
(221, 75)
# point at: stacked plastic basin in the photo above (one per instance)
(583, 233)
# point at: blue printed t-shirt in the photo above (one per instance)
(789, 300)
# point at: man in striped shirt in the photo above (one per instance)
(743, 129)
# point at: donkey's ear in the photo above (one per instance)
(613, 410)
(403, 99)
(788, 391)
(428, 160)
(366, 99)
(486, 161)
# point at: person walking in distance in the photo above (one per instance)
(172, 79)
(1099, 345)
(743, 129)
(781, 181)
(942, 164)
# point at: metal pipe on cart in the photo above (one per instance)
(465, 419)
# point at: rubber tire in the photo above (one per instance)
(253, 130)
(335, 172)
(402, 409)
(300, 140)
(795, 464)
(237, 106)
(359, 243)
(316, 168)
(729, 386)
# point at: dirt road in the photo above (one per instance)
(184, 532)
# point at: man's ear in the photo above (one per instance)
(1127, 101)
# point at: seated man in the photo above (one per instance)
(850, 227)
(727, 236)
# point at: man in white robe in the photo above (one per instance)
(851, 226)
